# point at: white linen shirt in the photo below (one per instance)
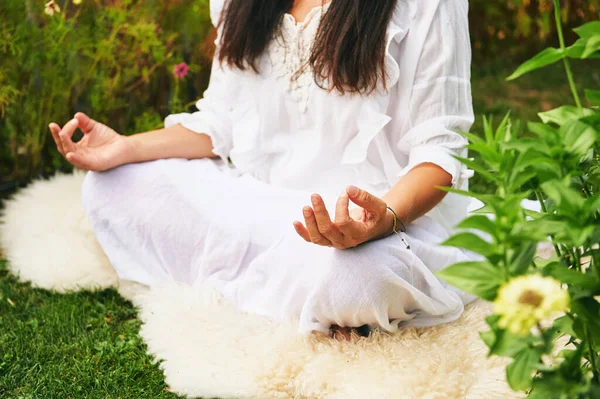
(292, 133)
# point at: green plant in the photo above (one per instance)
(559, 165)
(111, 58)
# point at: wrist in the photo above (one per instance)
(134, 149)
(397, 225)
(386, 225)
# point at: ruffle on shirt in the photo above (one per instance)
(397, 29)
(252, 150)
(370, 122)
(373, 118)
(249, 152)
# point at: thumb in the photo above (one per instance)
(366, 200)
(86, 124)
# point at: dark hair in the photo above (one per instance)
(348, 51)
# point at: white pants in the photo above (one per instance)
(194, 222)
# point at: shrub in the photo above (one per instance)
(111, 58)
(559, 164)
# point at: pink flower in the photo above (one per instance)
(181, 70)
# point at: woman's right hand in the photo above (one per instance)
(101, 148)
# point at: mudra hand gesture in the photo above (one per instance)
(349, 228)
(101, 148)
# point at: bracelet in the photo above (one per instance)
(402, 229)
(396, 221)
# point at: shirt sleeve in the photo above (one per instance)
(213, 117)
(441, 103)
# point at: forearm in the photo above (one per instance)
(416, 193)
(173, 142)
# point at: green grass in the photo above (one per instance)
(81, 345)
(86, 345)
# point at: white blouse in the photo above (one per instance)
(280, 127)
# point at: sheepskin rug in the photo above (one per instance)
(209, 349)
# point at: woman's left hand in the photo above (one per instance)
(349, 228)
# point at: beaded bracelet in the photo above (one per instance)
(402, 227)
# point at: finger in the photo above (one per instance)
(313, 229)
(324, 223)
(78, 160)
(54, 130)
(348, 226)
(86, 124)
(342, 214)
(302, 232)
(66, 134)
(366, 200)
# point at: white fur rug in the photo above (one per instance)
(209, 349)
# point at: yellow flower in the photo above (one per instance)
(526, 300)
(77, 2)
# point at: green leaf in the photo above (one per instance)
(578, 136)
(504, 129)
(548, 134)
(588, 30)
(473, 138)
(489, 154)
(564, 196)
(533, 158)
(562, 378)
(564, 324)
(571, 277)
(479, 169)
(473, 243)
(489, 337)
(502, 342)
(539, 229)
(593, 96)
(518, 179)
(565, 113)
(488, 130)
(592, 204)
(479, 222)
(478, 278)
(592, 45)
(546, 57)
(518, 373)
(484, 210)
(524, 144)
(579, 48)
(587, 312)
(534, 214)
(577, 236)
(592, 120)
(522, 259)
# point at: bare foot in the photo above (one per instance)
(341, 333)
(345, 333)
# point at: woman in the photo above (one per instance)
(342, 115)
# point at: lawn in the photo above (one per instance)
(81, 345)
(86, 345)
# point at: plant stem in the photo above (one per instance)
(576, 259)
(595, 259)
(506, 264)
(592, 353)
(561, 39)
(585, 186)
(538, 195)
